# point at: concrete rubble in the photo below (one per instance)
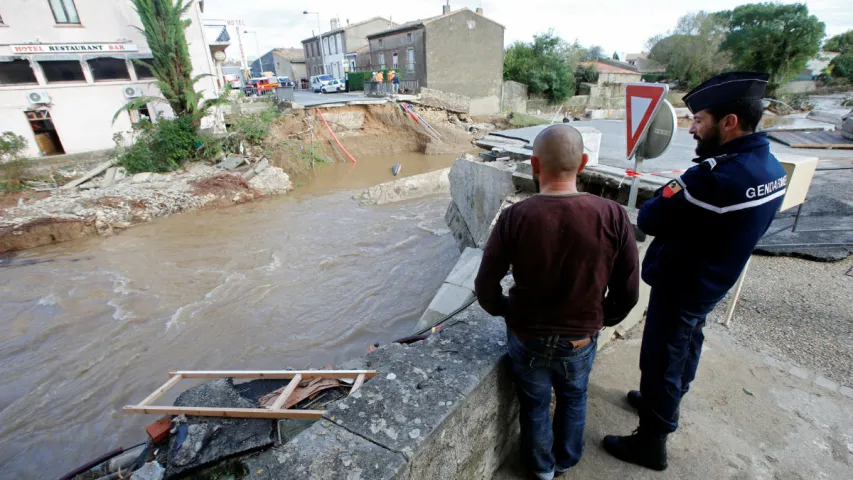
(130, 200)
(415, 186)
(213, 439)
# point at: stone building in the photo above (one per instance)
(66, 68)
(339, 45)
(282, 62)
(458, 52)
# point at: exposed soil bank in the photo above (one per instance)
(71, 214)
(298, 140)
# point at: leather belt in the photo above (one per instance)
(551, 342)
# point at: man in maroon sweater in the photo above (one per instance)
(575, 264)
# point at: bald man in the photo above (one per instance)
(574, 262)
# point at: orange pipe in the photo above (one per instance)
(333, 135)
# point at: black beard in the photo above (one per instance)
(709, 146)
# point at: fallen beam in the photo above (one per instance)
(89, 175)
(275, 374)
(226, 412)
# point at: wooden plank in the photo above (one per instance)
(274, 374)
(358, 383)
(297, 379)
(160, 391)
(226, 412)
(90, 174)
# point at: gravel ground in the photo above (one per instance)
(798, 310)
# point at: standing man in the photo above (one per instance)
(705, 225)
(574, 261)
(395, 82)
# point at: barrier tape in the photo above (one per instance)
(635, 174)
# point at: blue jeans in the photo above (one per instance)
(669, 356)
(537, 368)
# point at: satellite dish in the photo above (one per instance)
(660, 133)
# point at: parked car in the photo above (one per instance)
(333, 86)
(286, 82)
(317, 81)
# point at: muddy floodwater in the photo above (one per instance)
(306, 279)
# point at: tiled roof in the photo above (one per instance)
(605, 68)
(423, 21)
(289, 53)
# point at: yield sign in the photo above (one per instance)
(641, 101)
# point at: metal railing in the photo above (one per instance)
(386, 88)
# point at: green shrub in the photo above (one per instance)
(842, 66)
(159, 147)
(11, 146)
(522, 120)
(654, 77)
(12, 175)
(355, 80)
(254, 128)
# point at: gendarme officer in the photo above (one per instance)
(705, 225)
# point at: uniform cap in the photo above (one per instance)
(727, 87)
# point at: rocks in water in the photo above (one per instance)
(149, 471)
(212, 439)
(271, 181)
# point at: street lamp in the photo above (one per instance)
(320, 40)
(258, 48)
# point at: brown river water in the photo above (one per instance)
(306, 279)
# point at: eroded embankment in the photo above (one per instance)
(297, 141)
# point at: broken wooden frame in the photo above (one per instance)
(295, 376)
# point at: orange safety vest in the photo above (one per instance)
(379, 77)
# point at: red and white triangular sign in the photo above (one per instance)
(641, 103)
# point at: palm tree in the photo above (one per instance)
(163, 28)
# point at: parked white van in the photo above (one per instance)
(317, 81)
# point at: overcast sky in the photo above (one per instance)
(616, 25)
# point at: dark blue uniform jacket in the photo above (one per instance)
(707, 222)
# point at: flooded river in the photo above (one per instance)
(310, 278)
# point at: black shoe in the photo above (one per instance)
(635, 399)
(642, 449)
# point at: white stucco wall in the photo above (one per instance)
(82, 112)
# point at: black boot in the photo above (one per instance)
(644, 449)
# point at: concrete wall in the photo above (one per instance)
(799, 86)
(514, 97)
(465, 56)
(82, 112)
(604, 78)
(399, 43)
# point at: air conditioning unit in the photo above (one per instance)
(132, 92)
(38, 98)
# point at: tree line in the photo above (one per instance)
(763, 37)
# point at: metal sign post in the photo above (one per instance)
(655, 141)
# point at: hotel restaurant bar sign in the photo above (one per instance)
(74, 48)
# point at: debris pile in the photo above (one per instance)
(109, 200)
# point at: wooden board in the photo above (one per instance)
(275, 374)
(288, 397)
(828, 140)
(227, 412)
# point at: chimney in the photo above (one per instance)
(445, 9)
(335, 23)
(479, 10)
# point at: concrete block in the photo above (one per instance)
(826, 383)
(141, 177)
(524, 167)
(149, 471)
(231, 163)
(478, 189)
(326, 451)
(448, 299)
(524, 182)
(416, 186)
(458, 227)
(466, 268)
(211, 439)
(846, 391)
(800, 372)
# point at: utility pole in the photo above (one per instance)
(258, 48)
(319, 40)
